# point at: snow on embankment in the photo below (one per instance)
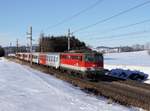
(129, 60)
(140, 58)
(25, 89)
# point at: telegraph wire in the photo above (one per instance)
(120, 38)
(122, 35)
(75, 15)
(122, 27)
(111, 17)
(130, 25)
(134, 37)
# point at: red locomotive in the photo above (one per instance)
(85, 62)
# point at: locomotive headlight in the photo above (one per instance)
(88, 69)
(91, 69)
(94, 65)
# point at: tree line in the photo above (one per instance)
(59, 44)
(2, 52)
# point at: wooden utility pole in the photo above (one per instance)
(17, 46)
(69, 39)
(10, 47)
(30, 38)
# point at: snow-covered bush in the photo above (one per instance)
(148, 51)
(128, 74)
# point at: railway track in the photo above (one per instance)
(137, 84)
(124, 92)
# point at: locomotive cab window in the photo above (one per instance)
(93, 57)
(98, 57)
(89, 58)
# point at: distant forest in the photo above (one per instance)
(2, 52)
(59, 44)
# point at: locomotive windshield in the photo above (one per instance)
(93, 57)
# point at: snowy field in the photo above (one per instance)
(129, 60)
(25, 89)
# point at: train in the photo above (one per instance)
(86, 64)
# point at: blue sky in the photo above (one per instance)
(17, 15)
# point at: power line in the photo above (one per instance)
(113, 16)
(120, 38)
(130, 25)
(75, 15)
(122, 27)
(134, 37)
(122, 35)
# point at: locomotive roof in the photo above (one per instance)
(80, 53)
(60, 53)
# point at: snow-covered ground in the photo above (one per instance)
(129, 60)
(25, 89)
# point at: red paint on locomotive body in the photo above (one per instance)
(42, 59)
(81, 61)
(72, 59)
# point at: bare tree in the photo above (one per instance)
(2, 52)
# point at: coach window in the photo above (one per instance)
(53, 58)
(50, 58)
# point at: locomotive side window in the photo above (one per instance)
(89, 58)
(80, 58)
(93, 57)
(64, 56)
(76, 58)
(98, 57)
